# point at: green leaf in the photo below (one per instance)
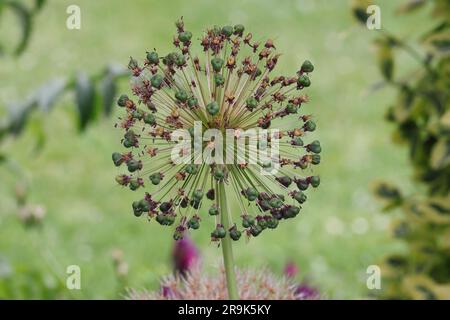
(439, 43)
(385, 58)
(18, 115)
(359, 9)
(388, 194)
(108, 85)
(24, 17)
(108, 89)
(47, 94)
(440, 155)
(85, 98)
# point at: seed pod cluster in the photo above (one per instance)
(227, 84)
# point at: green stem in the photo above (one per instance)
(227, 249)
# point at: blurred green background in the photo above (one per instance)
(341, 230)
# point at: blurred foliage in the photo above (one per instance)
(24, 15)
(93, 94)
(421, 116)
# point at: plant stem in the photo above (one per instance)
(227, 249)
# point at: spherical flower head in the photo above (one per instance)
(211, 132)
(198, 285)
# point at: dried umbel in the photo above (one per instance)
(229, 89)
(197, 285)
(211, 127)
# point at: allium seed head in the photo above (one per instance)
(177, 142)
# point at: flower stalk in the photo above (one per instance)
(227, 248)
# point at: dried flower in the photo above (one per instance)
(231, 88)
(212, 131)
(196, 285)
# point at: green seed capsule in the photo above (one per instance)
(307, 66)
(180, 60)
(213, 211)
(248, 221)
(297, 141)
(157, 81)
(235, 234)
(239, 29)
(227, 31)
(210, 194)
(255, 230)
(251, 193)
(302, 184)
(300, 197)
(309, 125)
(221, 232)
(251, 103)
(197, 195)
(276, 203)
(217, 64)
(145, 206)
(134, 185)
(137, 208)
(219, 80)
(150, 119)
(195, 204)
(212, 108)
(165, 206)
(177, 235)
(122, 100)
(191, 169)
(285, 181)
(117, 158)
(315, 181)
(291, 212)
(134, 165)
(303, 165)
(264, 205)
(161, 219)
(152, 57)
(215, 234)
(315, 159)
(155, 178)
(170, 58)
(138, 114)
(303, 81)
(192, 102)
(130, 135)
(262, 223)
(314, 147)
(169, 220)
(193, 223)
(185, 36)
(181, 96)
(272, 223)
(184, 203)
(291, 108)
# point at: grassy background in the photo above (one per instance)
(341, 230)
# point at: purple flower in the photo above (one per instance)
(305, 291)
(290, 270)
(185, 255)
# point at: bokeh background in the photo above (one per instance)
(69, 174)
